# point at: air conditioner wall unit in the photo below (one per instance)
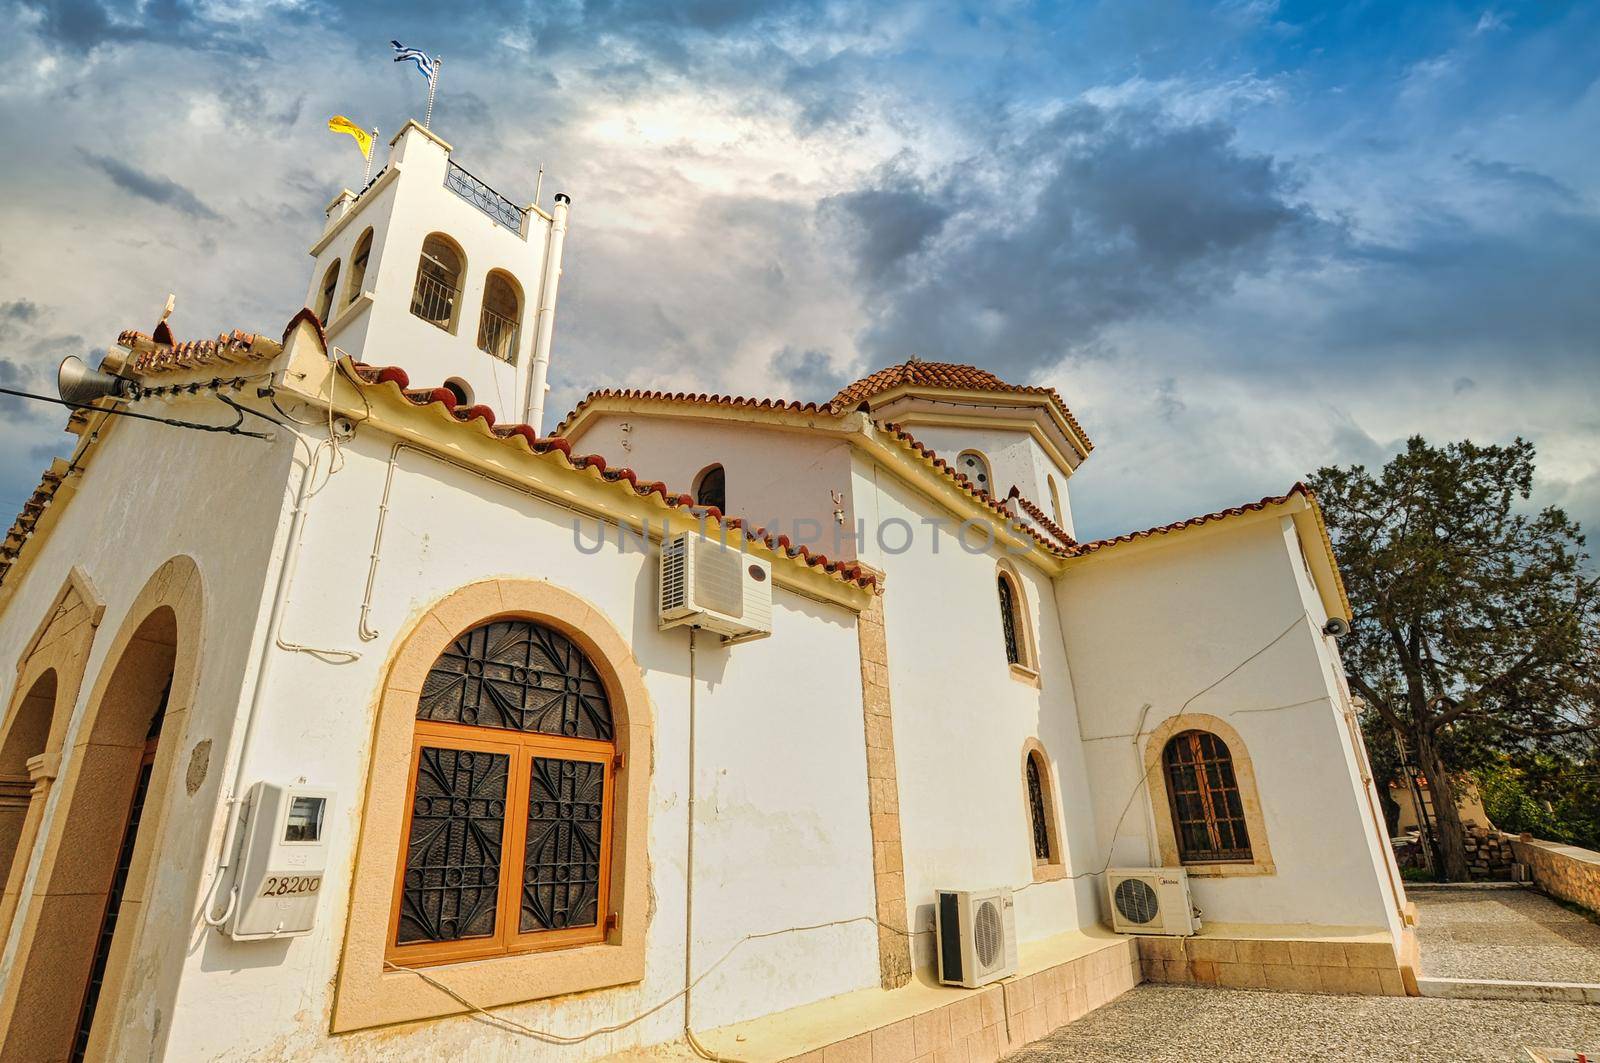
(705, 583)
(1152, 900)
(975, 936)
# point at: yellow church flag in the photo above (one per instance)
(340, 124)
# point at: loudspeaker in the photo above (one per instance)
(78, 382)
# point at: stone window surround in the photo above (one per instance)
(1056, 867)
(1244, 772)
(368, 993)
(1026, 670)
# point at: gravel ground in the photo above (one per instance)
(1160, 1023)
(1515, 934)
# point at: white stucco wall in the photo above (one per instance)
(1156, 624)
(151, 492)
(782, 837)
(1016, 459)
(782, 480)
(960, 720)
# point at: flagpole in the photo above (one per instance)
(433, 85)
(366, 175)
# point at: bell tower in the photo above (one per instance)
(430, 269)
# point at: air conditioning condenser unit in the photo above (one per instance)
(975, 935)
(1152, 900)
(708, 584)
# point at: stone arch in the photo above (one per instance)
(151, 668)
(1054, 864)
(371, 992)
(1260, 862)
(49, 676)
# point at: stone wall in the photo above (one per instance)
(1564, 871)
(1489, 854)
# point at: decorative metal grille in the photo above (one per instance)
(1207, 811)
(561, 863)
(452, 872)
(499, 209)
(1041, 829)
(108, 921)
(521, 676)
(1008, 621)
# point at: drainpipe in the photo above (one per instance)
(539, 371)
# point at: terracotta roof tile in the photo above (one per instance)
(1193, 522)
(1044, 522)
(229, 349)
(32, 510)
(999, 507)
(690, 398)
(951, 376)
(373, 376)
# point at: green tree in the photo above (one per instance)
(1475, 627)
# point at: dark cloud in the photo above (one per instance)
(888, 222)
(809, 373)
(154, 187)
(12, 375)
(1097, 216)
(23, 310)
(84, 25)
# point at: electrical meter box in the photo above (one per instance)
(283, 854)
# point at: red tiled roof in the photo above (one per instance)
(951, 376)
(938, 463)
(228, 349)
(845, 571)
(1193, 522)
(1044, 522)
(690, 398)
(32, 510)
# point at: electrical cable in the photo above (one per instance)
(232, 429)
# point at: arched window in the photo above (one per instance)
(499, 324)
(1038, 814)
(437, 294)
(330, 282)
(975, 467)
(1014, 618)
(507, 838)
(1208, 813)
(711, 488)
(1055, 500)
(358, 267)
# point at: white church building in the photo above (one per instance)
(402, 722)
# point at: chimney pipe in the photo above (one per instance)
(545, 326)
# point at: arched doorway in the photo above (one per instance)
(25, 740)
(81, 921)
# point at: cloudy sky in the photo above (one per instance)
(1243, 239)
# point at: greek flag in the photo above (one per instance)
(424, 64)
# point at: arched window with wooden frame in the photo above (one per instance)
(500, 320)
(711, 488)
(358, 267)
(330, 284)
(436, 298)
(1044, 834)
(1014, 625)
(1207, 807)
(507, 837)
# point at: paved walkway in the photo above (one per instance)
(1514, 934)
(1182, 1024)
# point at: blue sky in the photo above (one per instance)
(1243, 239)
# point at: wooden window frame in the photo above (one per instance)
(1209, 793)
(521, 747)
(1261, 862)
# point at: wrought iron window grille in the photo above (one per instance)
(499, 209)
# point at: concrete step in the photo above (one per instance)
(1504, 989)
